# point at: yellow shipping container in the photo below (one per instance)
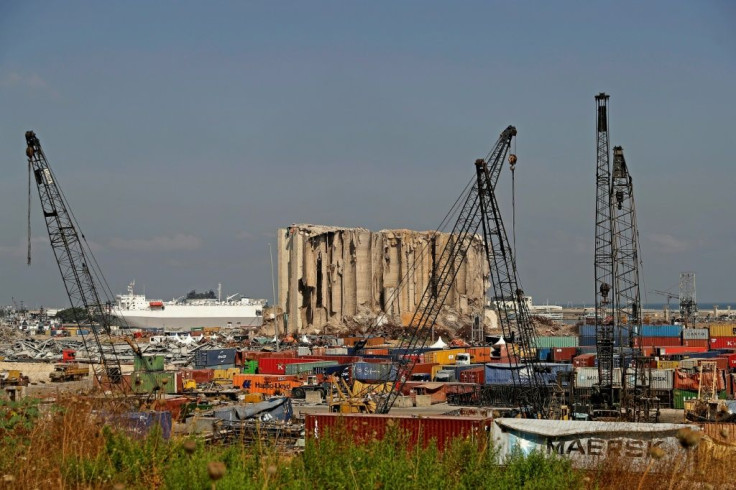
(728, 330)
(435, 369)
(668, 364)
(445, 357)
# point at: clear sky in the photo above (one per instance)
(185, 133)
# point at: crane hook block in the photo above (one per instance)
(29, 152)
(512, 159)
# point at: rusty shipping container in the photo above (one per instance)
(420, 430)
(475, 375)
(656, 341)
(695, 343)
(584, 360)
(561, 354)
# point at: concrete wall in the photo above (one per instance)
(329, 274)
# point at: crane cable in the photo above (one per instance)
(512, 165)
(28, 262)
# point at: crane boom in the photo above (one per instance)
(72, 257)
(478, 209)
(603, 261)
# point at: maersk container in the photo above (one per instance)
(214, 357)
(587, 377)
(148, 363)
(661, 330)
(307, 367)
(552, 342)
(373, 371)
(695, 334)
(659, 379)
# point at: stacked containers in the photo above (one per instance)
(695, 337)
(587, 335)
(555, 342)
(659, 335)
(307, 367)
(722, 336)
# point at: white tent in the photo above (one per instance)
(501, 341)
(439, 344)
(305, 340)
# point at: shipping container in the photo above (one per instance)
(303, 351)
(721, 362)
(661, 331)
(722, 331)
(679, 397)
(419, 430)
(731, 360)
(676, 349)
(554, 342)
(696, 343)
(336, 351)
(250, 366)
(587, 377)
(480, 355)
(367, 371)
(544, 354)
(722, 342)
(370, 341)
(695, 334)
(277, 365)
(657, 379)
(691, 380)
(447, 356)
(475, 375)
(214, 358)
(560, 354)
(584, 360)
(148, 363)
(307, 367)
(269, 385)
(423, 367)
(668, 364)
(656, 341)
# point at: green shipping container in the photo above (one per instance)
(679, 397)
(552, 342)
(153, 382)
(148, 363)
(307, 367)
(250, 367)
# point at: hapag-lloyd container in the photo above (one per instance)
(419, 430)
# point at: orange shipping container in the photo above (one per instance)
(269, 385)
(480, 355)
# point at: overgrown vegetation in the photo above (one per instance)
(65, 445)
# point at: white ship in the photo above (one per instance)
(184, 315)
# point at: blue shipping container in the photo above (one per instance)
(371, 371)
(661, 330)
(544, 354)
(499, 374)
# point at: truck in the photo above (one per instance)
(311, 384)
(12, 377)
(69, 372)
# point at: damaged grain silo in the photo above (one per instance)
(330, 275)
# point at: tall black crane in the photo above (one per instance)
(479, 210)
(603, 260)
(73, 258)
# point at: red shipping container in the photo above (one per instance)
(473, 375)
(656, 341)
(666, 351)
(686, 380)
(276, 365)
(584, 360)
(721, 362)
(695, 343)
(560, 354)
(731, 360)
(420, 430)
(722, 342)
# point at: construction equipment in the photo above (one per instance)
(77, 266)
(688, 301)
(477, 210)
(707, 407)
(603, 259)
(70, 371)
(669, 296)
(13, 377)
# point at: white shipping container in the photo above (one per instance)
(303, 351)
(695, 334)
(587, 377)
(660, 379)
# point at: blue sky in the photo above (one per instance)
(185, 133)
